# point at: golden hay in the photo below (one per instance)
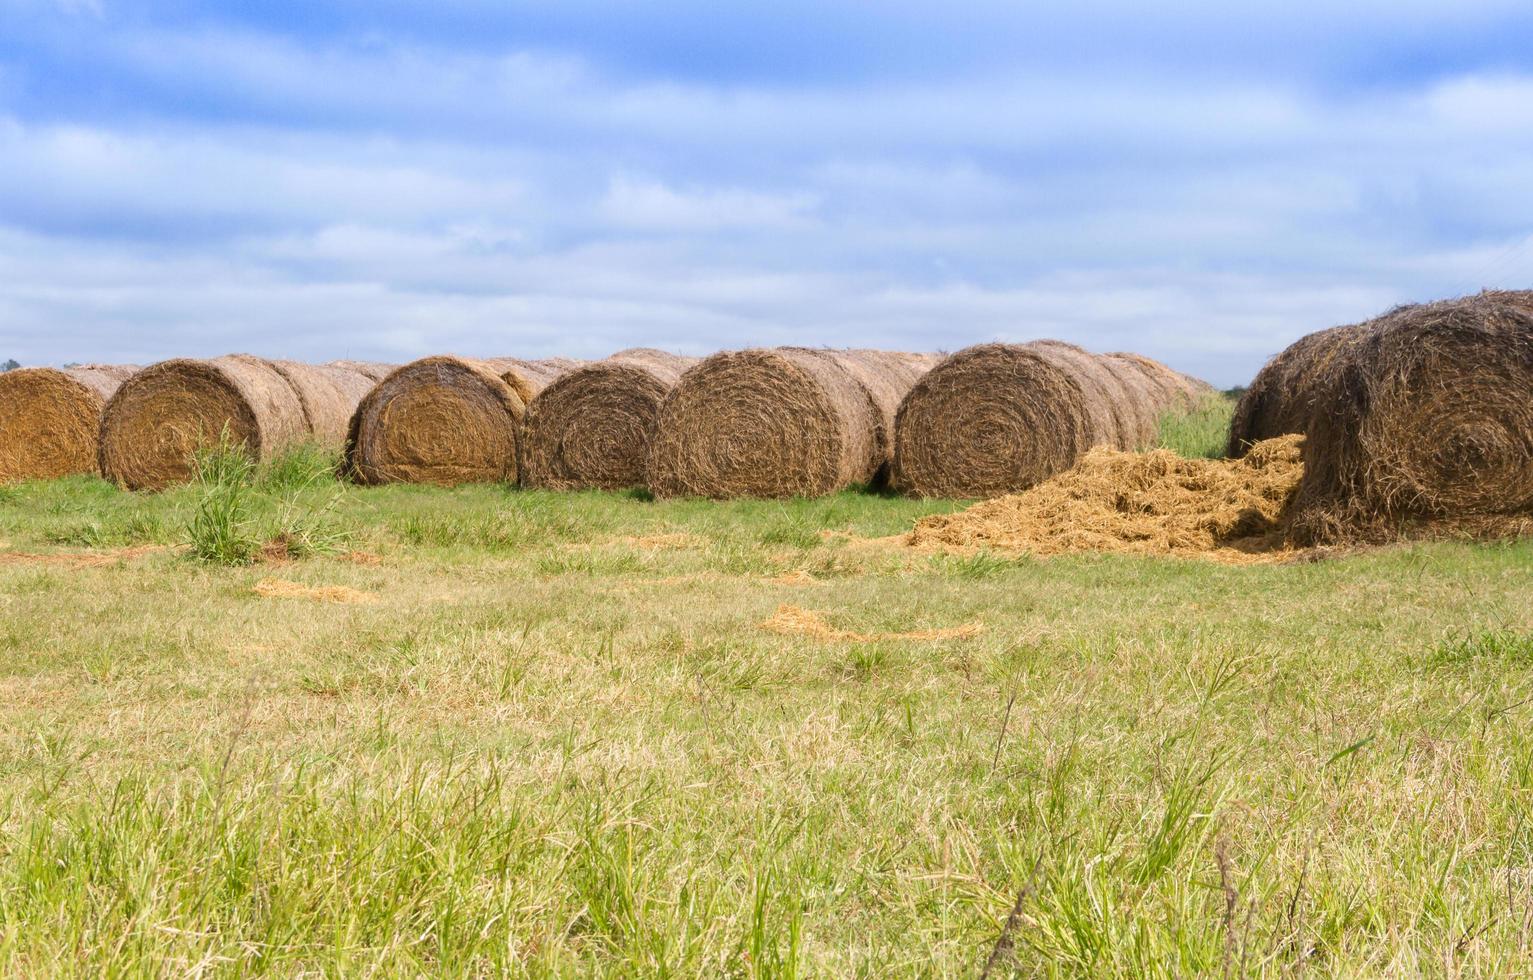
(276, 588)
(374, 371)
(592, 427)
(160, 417)
(81, 559)
(791, 620)
(997, 418)
(1151, 503)
(443, 420)
(1424, 424)
(50, 419)
(781, 422)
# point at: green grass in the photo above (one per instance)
(558, 743)
(1200, 433)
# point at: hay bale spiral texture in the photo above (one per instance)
(50, 419)
(592, 427)
(780, 422)
(446, 420)
(1281, 399)
(999, 418)
(1424, 417)
(160, 417)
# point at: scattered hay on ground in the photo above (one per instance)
(81, 559)
(794, 577)
(276, 588)
(781, 422)
(791, 620)
(592, 427)
(661, 542)
(1151, 503)
(50, 419)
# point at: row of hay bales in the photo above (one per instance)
(779, 422)
(1422, 416)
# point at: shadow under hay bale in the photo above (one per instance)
(592, 427)
(1424, 421)
(998, 418)
(445, 420)
(50, 419)
(780, 422)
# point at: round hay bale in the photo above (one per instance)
(443, 420)
(1424, 418)
(528, 377)
(993, 419)
(780, 422)
(372, 370)
(1111, 422)
(1139, 412)
(592, 427)
(329, 396)
(160, 417)
(50, 419)
(1281, 398)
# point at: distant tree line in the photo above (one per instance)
(10, 365)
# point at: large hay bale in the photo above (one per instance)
(1281, 398)
(780, 422)
(329, 396)
(528, 377)
(1424, 418)
(445, 420)
(374, 371)
(998, 418)
(50, 419)
(160, 417)
(592, 427)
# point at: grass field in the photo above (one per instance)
(547, 734)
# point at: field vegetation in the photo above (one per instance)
(270, 722)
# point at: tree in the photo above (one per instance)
(10, 365)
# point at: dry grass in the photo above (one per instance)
(528, 760)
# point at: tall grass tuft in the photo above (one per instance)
(222, 528)
(1201, 432)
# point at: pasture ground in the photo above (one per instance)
(549, 734)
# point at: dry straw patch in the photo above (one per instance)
(446, 420)
(50, 419)
(791, 620)
(1153, 503)
(784, 422)
(997, 418)
(276, 588)
(81, 559)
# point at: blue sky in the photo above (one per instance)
(383, 180)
